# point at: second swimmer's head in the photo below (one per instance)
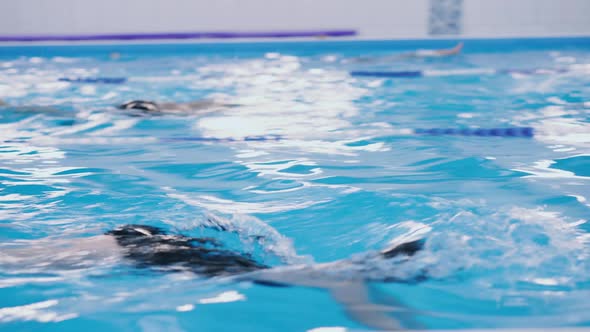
(143, 105)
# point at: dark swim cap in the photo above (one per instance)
(153, 247)
(143, 105)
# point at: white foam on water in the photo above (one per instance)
(38, 311)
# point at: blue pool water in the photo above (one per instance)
(505, 219)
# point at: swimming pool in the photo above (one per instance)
(311, 165)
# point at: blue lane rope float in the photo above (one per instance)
(392, 74)
(94, 80)
(142, 140)
(455, 72)
(366, 73)
(481, 132)
(508, 132)
(268, 138)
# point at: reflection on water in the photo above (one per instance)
(505, 219)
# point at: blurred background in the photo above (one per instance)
(369, 19)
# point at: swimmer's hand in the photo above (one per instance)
(438, 53)
(451, 51)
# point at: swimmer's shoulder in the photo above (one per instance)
(423, 53)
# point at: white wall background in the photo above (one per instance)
(500, 18)
(374, 19)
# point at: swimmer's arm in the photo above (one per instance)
(186, 107)
(435, 53)
(384, 58)
(330, 274)
(451, 51)
(354, 297)
(61, 253)
(209, 103)
(197, 105)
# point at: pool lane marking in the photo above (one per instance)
(184, 35)
(524, 132)
(365, 73)
(455, 72)
(507, 132)
(94, 80)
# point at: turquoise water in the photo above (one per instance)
(505, 220)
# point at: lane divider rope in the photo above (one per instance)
(508, 132)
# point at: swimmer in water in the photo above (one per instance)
(139, 108)
(422, 53)
(148, 247)
(436, 53)
(198, 106)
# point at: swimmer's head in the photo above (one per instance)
(2, 103)
(143, 105)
